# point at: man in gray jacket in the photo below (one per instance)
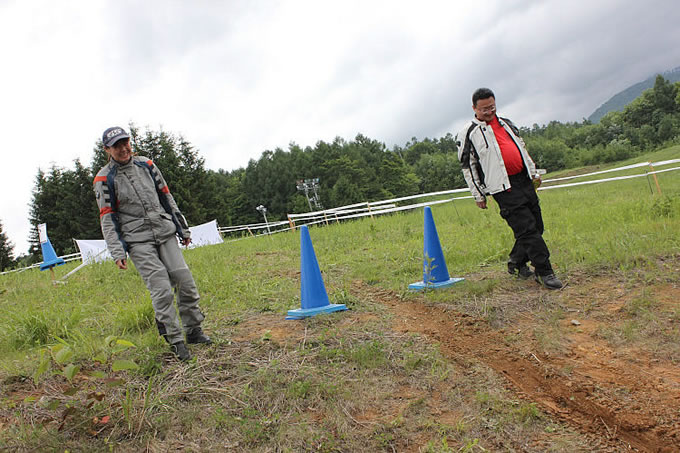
(495, 162)
(139, 217)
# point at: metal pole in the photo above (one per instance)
(263, 210)
(264, 213)
(307, 195)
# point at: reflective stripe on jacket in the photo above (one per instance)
(481, 159)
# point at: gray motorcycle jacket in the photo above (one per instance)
(135, 205)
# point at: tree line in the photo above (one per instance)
(649, 122)
(350, 171)
(361, 169)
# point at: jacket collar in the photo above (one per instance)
(484, 123)
(478, 121)
(115, 163)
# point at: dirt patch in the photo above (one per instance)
(271, 326)
(627, 396)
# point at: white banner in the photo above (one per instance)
(93, 250)
(205, 234)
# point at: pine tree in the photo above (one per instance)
(63, 199)
(37, 212)
(6, 250)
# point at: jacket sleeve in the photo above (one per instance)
(169, 204)
(108, 219)
(467, 160)
(530, 163)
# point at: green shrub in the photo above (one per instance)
(39, 329)
(136, 318)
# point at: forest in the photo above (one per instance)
(349, 171)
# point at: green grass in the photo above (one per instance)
(298, 395)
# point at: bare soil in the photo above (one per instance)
(620, 395)
(624, 394)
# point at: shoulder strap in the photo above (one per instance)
(111, 185)
(161, 190)
(160, 187)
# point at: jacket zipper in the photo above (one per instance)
(484, 135)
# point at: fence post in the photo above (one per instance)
(656, 180)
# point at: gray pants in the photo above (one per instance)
(162, 267)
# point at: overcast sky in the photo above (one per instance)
(236, 78)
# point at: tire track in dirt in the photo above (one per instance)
(575, 399)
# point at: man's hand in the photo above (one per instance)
(186, 241)
(122, 264)
(481, 204)
(537, 181)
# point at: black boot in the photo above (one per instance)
(161, 330)
(181, 351)
(549, 281)
(520, 270)
(196, 336)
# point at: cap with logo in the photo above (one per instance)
(112, 135)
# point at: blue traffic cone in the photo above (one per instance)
(50, 258)
(435, 273)
(313, 295)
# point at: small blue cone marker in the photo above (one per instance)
(435, 273)
(50, 258)
(314, 298)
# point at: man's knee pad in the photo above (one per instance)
(183, 279)
(160, 288)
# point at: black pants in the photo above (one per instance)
(520, 208)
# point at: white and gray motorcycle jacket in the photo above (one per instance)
(481, 160)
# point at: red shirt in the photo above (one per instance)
(509, 150)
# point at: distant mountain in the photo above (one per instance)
(625, 97)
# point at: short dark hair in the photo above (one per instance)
(481, 93)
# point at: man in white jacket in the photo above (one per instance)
(495, 162)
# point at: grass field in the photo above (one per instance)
(83, 368)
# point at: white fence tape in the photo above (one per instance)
(251, 226)
(626, 167)
(618, 178)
